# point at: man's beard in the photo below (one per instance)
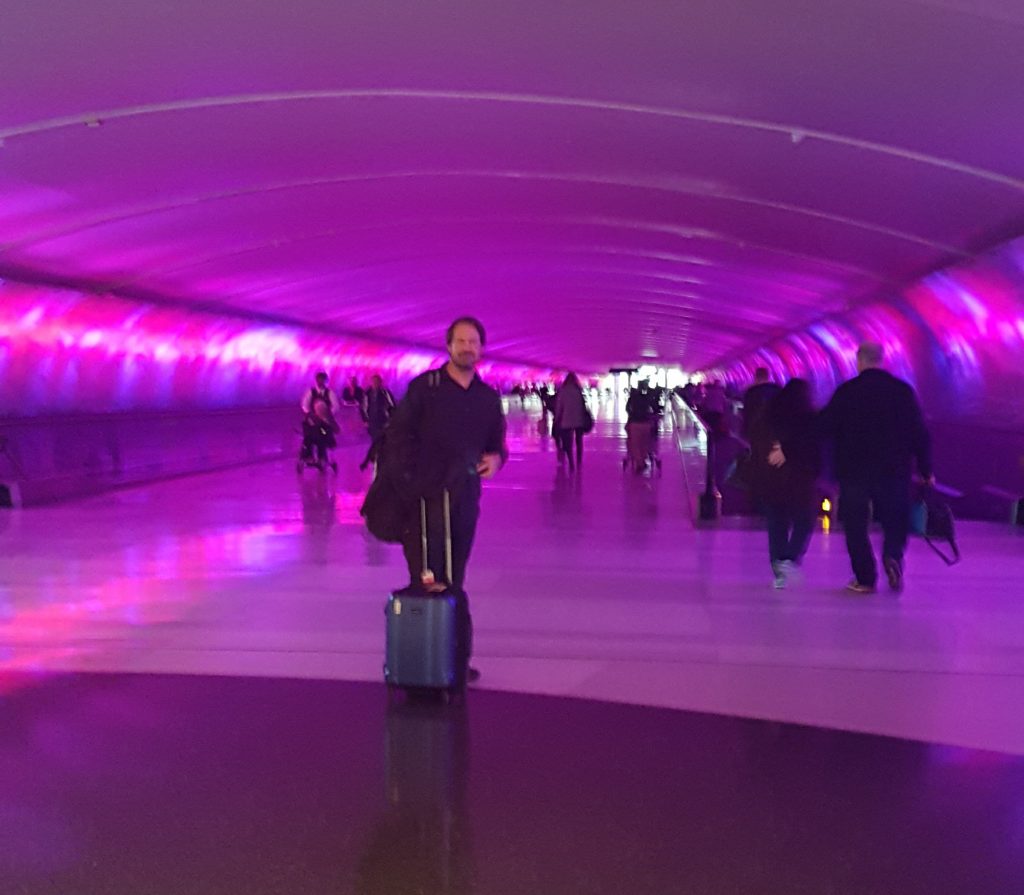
(461, 361)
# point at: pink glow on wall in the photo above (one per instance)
(63, 351)
(956, 335)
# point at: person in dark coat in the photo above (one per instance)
(878, 432)
(756, 400)
(353, 394)
(378, 405)
(787, 451)
(571, 420)
(640, 422)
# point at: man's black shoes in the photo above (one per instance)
(894, 572)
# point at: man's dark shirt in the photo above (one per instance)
(440, 433)
(755, 402)
(877, 429)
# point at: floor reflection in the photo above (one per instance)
(422, 842)
(210, 784)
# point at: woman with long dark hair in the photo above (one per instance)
(571, 419)
(790, 464)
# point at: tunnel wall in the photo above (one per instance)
(63, 351)
(958, 337)
(53, 458)
(98, 391)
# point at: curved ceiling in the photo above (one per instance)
(602, 182)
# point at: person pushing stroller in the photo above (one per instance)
(642, 418)
(319, 425)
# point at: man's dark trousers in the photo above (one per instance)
(890, 499)
(465, 511)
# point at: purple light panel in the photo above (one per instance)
(957, 335)
(62, 351)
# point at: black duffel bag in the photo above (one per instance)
(386, 510)
(390, 501)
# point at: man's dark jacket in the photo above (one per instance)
(877, 429)
(439, 432)
(755, 402)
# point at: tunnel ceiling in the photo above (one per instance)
(602, 182)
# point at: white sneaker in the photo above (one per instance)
(791, 571)
(779, 571)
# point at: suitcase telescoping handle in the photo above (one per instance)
(428, 575)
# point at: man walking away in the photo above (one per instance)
(755, 402)
(878, 434)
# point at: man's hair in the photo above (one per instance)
(469, 321)
(321, 375)
(870, 353)
(761, 374)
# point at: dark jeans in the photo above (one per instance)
(789, 531)
(464, 516)
(890, 501)
(565, 437)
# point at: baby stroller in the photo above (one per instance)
(318, 438)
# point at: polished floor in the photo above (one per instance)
(250, 748)
(172, 784)
(595, 585)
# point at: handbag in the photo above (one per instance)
(932, 518)
(741, 471)
(588, 419)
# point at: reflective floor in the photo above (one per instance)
(188, 784)
(244, 755)
(596, 585)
